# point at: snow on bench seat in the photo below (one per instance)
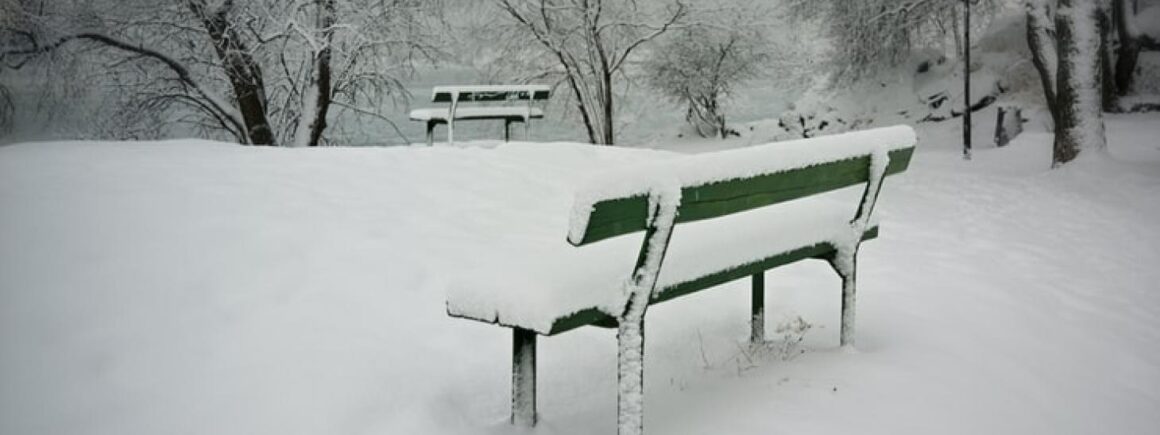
(558, 280)
(553, 279)
(469, 113)
(490, 92)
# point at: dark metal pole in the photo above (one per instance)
(757, 310)
(523, 377)
(967, 81)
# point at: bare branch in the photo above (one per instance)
(182, 72)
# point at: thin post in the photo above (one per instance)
(528, 117)
(757, 310)
(451, 118)
(967, 81)
(523, 377)
(846, 337)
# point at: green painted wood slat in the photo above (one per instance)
(615, 217)
(593, 316)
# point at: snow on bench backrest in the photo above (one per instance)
(482, 93)
(717, 184)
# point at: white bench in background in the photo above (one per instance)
(482, 94)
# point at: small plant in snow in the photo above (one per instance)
(750, 356)
(788, 347)
(792, 333)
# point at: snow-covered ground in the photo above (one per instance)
(193, 287)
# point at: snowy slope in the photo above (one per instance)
(192, 287)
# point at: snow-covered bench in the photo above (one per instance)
(480, 94)
(707, 219)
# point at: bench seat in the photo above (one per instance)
(554, 293)
(509, 113)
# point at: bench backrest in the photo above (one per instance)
(719, 184)
(489, 93)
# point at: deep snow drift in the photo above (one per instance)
(192, 287)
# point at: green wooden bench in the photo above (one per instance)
(509, 114)
(665, 202)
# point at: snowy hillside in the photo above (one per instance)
(195, 287)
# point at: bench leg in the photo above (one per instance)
(507, 130)
(630, 377)
(847, 270)
(848, 290)
(523, 377)
(430, 133)
(451, 131)
(757, 310)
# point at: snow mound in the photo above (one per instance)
(195, 287)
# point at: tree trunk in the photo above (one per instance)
(607, 136)
(955, 31)
(967, 79)
(1079, 124)
(1129, 51)
(1041, 41)
(719, 118)
(704, 114)
(1108, 95)
(576, 36)
(316, 102)
(243, 72)
(574, 83)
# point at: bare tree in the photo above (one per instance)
(45, 30)
(1120, 46)
(1041, 41)
(240, 67)
(589, 43)
(7, 110)
(8, 15)
(1131, 43)
(1070, 58)
(871, 35)
(699, 66)
(1079, 123)
(316, 103)
(264, 72)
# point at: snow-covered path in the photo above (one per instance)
(187, 287)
